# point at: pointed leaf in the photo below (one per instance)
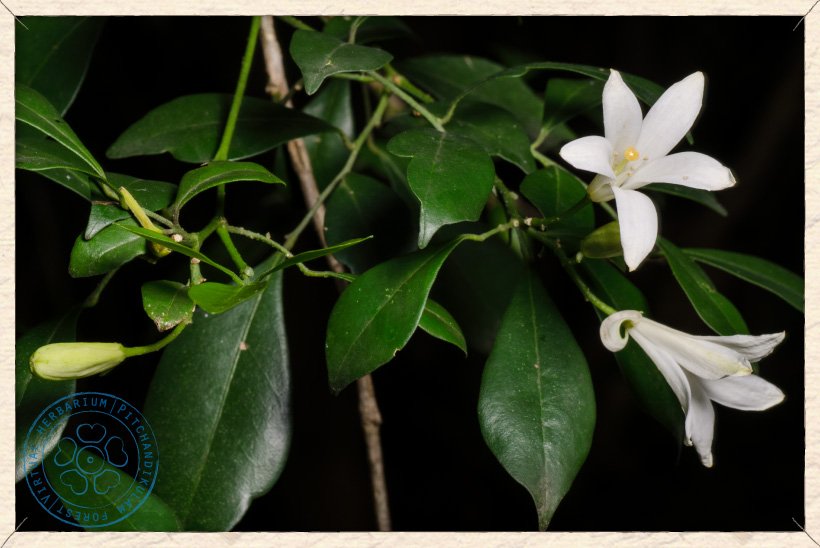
(771, 277)
(33, 154)
(327, 151)
(220, 173)
(110, 248)
(190, 127)
(219, 404)
(565, 99)
(553, 190)
(151, 195)
(320, 55)
(167, 303)
(436, 321)
(712, 307)
(306, 256)
(700, 196)
(77, 182)
(498, 133)
(217, 298)
(450, 176)
(536, 407)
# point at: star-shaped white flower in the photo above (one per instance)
(700, 370)
(633, 154)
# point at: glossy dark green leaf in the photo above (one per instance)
(436, 321)
(77, 182)
(643, 376)
(167, 303)
(33, 154)
(219, 404)
(498, 133)
(108, 249)
(536, 407)
(33, 109)
(190, 127)
(760, 272)
(327, 151)
(217, 298)
(450, 176)
(220, 173)
(306, 256)
(565, 99)
(553, 190)
(712, 307)
(152, 514)
(151, 195)
(53, 53)
(378, 313)
(373, 29)
(702, 197)
(33, 394)
(361, 206)
(320, 55)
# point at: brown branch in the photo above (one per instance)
(371, 418)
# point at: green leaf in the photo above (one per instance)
(373, 29)
(190, 128)
(498, 133)
(565, 99)
(450, 176)
(33, 394)
(712, 307)
(77, 182)
(53, 53)
(361, 206)
(320, 55)
(33, 109)
(151, 195)
(217, 298)
(219, 173)
(327, 151)
(647, 382)
(536, 407)
(703, 197)
(38, 154)
(553, 190)
(439, 323)
(167, 303)
(760, 272)
(378, 313)
(110, 248)
(306, 256)
(219, 404)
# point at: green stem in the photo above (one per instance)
(159, 218)
(92, 300)
(236, 257)
(355, 27)
(294, 22)
(199, 239)
(434, 120)
(543, 160)
(407, 85)
(353, 76)
(508, 198)
(325, 273)
(544, 222)
(159, 345)
(515, 223)
(542, 135)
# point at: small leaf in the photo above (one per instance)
(553, 190)
(703, 197)
(151, 195)
(712, 307)
(536, 407)
(219, 404)
(33, 109)
(220, 173)
(217, 298)
(760, 272)
(33, 154)
(450, 176)
(320, 55)
(498, 133)
(167, 303)
(565, 99)
(190, 127)
(327, 151)
(33, 394)
(110, 248)
(436, 321)
(53, 54)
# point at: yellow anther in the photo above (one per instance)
(631, 154)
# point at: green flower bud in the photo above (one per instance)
(603, 242)
(62, 361)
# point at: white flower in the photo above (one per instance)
(634, 151)
(700, 370)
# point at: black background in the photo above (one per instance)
(440, 474)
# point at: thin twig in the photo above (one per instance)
(368, 407)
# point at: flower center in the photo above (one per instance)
(631, 154)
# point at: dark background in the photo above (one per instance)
(440, 474)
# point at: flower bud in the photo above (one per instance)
(62, 361)
(603, 242)
(600, 189)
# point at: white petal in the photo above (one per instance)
(674, 375)
(639, 225)
(751, 347)
(700, 421)
(745, 393)
(592, 153)
(622, 114)
(671, 117)
(691, 169)
(611, 329)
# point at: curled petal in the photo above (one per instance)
(639, 225)
(700, 421)
(674, 375)
(751, 347)
(592, 153)
(622, 114)
(749, 393)
(671, 117)
(691, 169)
(611, 329)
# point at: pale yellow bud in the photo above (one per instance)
(62, 361)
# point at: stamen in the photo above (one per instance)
(631, 154)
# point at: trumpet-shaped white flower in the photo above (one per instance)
(634, 153)
(700, 370)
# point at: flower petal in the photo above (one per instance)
(592, 153)
(671, 117)
(611, 329)
(749, 393)
(674, 375)
(639, 225)
(751, 347)
(691, 169)
(622, 114)
(700, 421)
